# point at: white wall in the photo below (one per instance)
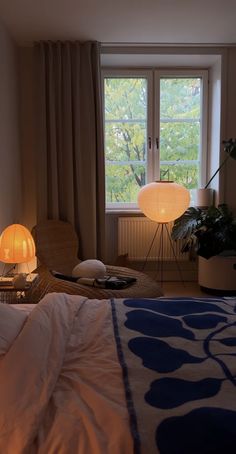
(27, 130)
(10, 168)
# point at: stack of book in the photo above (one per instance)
(6, 282)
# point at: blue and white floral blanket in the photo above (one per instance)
(178, 358)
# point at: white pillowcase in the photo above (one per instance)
(90, 268)
(11, 323)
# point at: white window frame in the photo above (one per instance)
(153, 76)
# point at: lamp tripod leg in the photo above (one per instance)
(175, 256)
(150, 248)
(160, 256)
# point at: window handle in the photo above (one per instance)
(157, 143)
(149, 143)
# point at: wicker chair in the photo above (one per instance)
(57, 249)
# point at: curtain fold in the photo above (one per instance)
(70, 151)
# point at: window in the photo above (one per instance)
(155, 128)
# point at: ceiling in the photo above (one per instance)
(121, 21)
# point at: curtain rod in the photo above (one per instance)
(166, 45)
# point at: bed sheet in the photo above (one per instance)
(61, 384)
(121, 376)
(27, 308)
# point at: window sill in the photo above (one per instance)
(112, 211)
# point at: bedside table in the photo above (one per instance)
(9, 295)
(31, 294)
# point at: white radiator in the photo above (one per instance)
(135, 235)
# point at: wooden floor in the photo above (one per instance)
(171, 286)
(180, 289)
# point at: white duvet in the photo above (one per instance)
(61, 388)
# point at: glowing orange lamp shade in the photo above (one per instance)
(163, 201)
(16, 244)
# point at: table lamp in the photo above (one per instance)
(16, 245)
(163, 202)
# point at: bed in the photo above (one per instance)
(118, 376)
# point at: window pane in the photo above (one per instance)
(125, 141)
(125, 137)
(180, 129)
(180, 97)
(185, 174)
(125, 98)
(179, 141)
(123, 182)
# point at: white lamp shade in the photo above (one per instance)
(163, 201)
(16, 244)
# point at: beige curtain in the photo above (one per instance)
(70, 152)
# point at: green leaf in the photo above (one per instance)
(230, 147)
(211, 231)
(185, 226)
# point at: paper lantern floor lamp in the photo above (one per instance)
(16, 245)
(163, 202)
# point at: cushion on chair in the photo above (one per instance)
(89, 268)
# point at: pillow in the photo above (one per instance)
(90, 268)
(11, 323)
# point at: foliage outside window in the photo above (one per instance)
(180, 130)
(125, 137)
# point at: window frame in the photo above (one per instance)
(153, 76)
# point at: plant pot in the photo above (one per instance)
(217, 275)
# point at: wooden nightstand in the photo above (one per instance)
(29, 294)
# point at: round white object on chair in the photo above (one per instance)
(89, 268)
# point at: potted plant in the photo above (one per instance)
(211, 233)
